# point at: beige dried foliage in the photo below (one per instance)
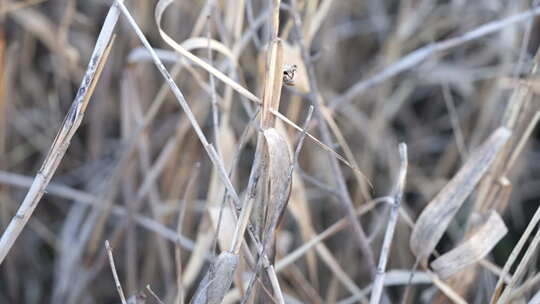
(472, 250)
(279, 183)
(436, 217)
(141, 54)
(299, 207)
(160, 9)
(217, 280)
(379, 107)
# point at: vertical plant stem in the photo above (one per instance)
(388, 236)
(115, 274)
(70, 125)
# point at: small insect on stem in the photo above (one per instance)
(288, 73)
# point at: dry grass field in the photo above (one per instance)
(269, 151)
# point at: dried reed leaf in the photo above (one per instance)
(266, 148)
(217, 280)
(194, 43)
(279, 162)
(299, 207)
(205, 42)
(276, 168)
(436, 217)
(472, 250)
(158, 14)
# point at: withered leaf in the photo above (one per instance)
(436, 217)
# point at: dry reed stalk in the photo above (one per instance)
(69, 127)
(115, 274)
(154, 295)
(128, 185)
(500, 296)
(392, 221)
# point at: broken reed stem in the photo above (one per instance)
(115, 274)
(388, 236)
(61, 143)
(414, 58)
(213, 94)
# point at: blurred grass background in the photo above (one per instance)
(442, 107)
